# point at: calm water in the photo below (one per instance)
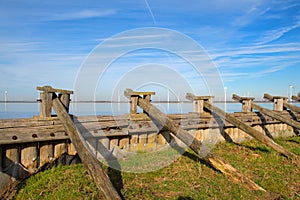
(27, 110)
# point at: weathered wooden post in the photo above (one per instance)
(278, 101)
(215, 161)
(198, 102)
(271, 113)
(46, 99)
(46, 104)
(93, 165)
(249, 130)
(134, 103)
(296, 98)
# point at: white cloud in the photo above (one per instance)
(83, 14)
(276, 34)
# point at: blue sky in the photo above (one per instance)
(254, 44)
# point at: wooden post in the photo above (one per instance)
(65, 100)
(133, 102)
(246, 103)
(286, 105)
(183, 135)
(296, 98)
(29, 156)
(93, 166)
(278, 101)
(271, 113)
(46, 104)
(251, 131)
(198, 103)
(46, 99)
(46, 153)
(12, 155)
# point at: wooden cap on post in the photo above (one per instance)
(278, 101)
(133, 96)
(246, 102)
(198, 102)
(46, 99)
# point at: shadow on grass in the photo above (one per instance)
(262, 149)
(185, 198)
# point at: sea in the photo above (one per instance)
(11, 110)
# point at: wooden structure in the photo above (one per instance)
(281, 103)
(247, 129)
(196, 145)
(271, 113)
(26, 145)
(91, 163)
(46, 99)
(296, 98)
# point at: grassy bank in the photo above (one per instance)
(186, 178)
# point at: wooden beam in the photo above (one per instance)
(93, 165)
(295, 98)
(285, 103)
(49, 89)
(251, 131)
(212, 159)
(274, 115)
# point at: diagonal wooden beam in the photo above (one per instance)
(211, 159)
(92, 165)
(271, 113)
(285, 104)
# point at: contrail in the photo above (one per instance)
(153, 18)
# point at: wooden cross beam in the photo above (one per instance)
(246, 102)
(198, 102)
(271, 113)
(46, 99)
(133, 96)
(212, 159)
(278, 101)
(281, 103)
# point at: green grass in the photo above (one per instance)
(186, 178)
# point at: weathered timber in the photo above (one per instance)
(213, 160)
(29, 156)
(296, 98)
(271, 113)
(285, 103)
(49, 89)
(93, 166)
(46, 104)
(251, 131)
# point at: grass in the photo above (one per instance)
(185, 178)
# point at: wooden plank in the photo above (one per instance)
(60, 147)
(71, 149)
(12, 155)
(35, 134)
(195, 145)
(29, 156)
(93, 166)
(46, 152)
(49, 89)
(123, 142)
